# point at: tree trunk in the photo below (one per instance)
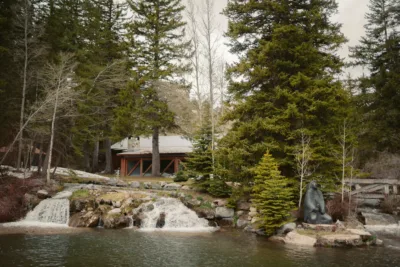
(86, 158)
(46, 162)
(21, 119)
(109, 166)
(155, 171)
(53, 125)
(40, 159)
(95, 163)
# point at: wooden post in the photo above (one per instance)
(176, 165)
(141, 166)
(386, 189)
(123, 166)
(395, 189)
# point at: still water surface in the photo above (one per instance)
(130, 248)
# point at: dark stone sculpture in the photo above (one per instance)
(314, 206)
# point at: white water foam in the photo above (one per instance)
(51, 212)
(178, 218)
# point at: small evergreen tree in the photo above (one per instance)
(272, 195)
(199, 161)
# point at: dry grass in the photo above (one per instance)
(114, 196)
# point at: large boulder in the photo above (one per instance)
(135, 184)
(116, 222)
(241, 223)
(297, 239)
(286, 228)
(172, 186)
(223, 212)
(77, 205)
(340, 240)
(114, 211)
(31, 201)
(156, 186)
(89, 219)
(42, 194)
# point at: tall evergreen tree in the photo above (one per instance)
(379, 99)
(284, 83)
(272, 195)
(158, 53)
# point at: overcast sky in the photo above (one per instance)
(351, 15)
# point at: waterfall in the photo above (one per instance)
(169, 214)
(51, 212)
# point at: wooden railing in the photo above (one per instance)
(373, 188)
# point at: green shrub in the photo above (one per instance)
(180, 177)
(217, 188)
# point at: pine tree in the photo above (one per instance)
(272, 195)
(284, 83)
(379, 99)
(199, 161)
(158, 50)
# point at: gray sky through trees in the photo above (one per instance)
(351, 15)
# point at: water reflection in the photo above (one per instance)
(130, 248)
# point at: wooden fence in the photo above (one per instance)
(373, 188)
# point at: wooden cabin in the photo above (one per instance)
(136, 159)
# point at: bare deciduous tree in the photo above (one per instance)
(59, 87)
(303, 157)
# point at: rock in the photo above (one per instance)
(242, 223)
(252, 209)
(378, 218)
(185, 187)
(161, 220)
(249, 228)
(239, 212)
(89, 219)
(42, 194)
(378, 242)
(254, 220)
(114, 211)
(276, 238)
(78, 205)
(208, 214)
(116, 222)
(320, 227)
(163, 184)
(220, 202)
(222, 212)
(134, 184)
(112, 182)
(261, 232)
(253, 213)
(121, 183)
(150, 207)
(359, 232)
(340, 240)
(191, 203)
(242, 205)
(117, 204)
(226, 222)
(172, 186)
(156, 186)
(31, 201)
(286, 228)
(340, 225)
(297, 239)
(147, 185)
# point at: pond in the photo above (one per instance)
(132, 248)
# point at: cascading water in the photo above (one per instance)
(174, 214)
(52, 212)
